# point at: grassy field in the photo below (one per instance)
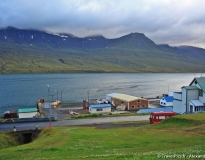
(181, 135)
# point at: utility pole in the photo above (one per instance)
(49, 106)
(168, 88)
(88, 102)
(61, 96)
(88, 97)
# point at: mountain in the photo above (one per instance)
(33, 51)
(34, 37)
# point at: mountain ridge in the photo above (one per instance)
(34, 51)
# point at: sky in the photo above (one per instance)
(173, 22)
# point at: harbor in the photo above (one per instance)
(22, 91)
(48, 112)
(129, 95)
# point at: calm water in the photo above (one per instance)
(17, 91)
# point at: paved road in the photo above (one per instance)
(25, 126)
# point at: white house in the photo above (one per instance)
(191, 98)
(27, 112)
(166, 101)
(100, 108)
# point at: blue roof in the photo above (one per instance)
(162, 109)
(168, 98)
(100, 105)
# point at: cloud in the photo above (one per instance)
(174, 22)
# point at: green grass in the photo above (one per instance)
(7, 140)
(132, 122)
(105, 115)
(167, 138)
(87, 116)
(184, 120)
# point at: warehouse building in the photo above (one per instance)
(127, 102)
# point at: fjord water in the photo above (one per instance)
(24, 90)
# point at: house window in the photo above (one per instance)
(144, 106)
(139, 101)
(161, 102)
(99, 109)
(138, 106)
(201, 92)
(133, 106)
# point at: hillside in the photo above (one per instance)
(181, 135)
(32, 51)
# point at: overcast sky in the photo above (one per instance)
(174, 22)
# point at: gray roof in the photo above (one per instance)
(190, 87)
(200, 81)
(196, 103)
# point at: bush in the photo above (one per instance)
(94, 115)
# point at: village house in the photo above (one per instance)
(191, 98)
(167, 100)
(100, 108)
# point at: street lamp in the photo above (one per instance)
(48, 90)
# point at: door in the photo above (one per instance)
(191, 109)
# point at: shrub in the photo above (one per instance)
(94, 115)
